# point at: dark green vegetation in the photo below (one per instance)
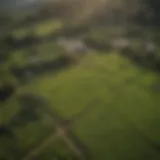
(103, 106)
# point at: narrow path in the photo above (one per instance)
(62, 130)
(32, 154)
(76, 145)
(70, 139)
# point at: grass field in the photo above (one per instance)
(124, 113)
(113, 105)
(123, 117)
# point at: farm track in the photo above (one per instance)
(34, 152)
(62, 130)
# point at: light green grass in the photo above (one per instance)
(123, 105)
(80, 84)
(108, 136)
(107, 129)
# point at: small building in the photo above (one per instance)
(72, 45)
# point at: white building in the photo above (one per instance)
(72, 45)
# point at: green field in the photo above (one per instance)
(124, 116)
(112, 104)
(124, 105)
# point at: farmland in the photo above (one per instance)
(102, 107)
(124, 113)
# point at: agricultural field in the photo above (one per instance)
(102, 107)
(112, 105)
